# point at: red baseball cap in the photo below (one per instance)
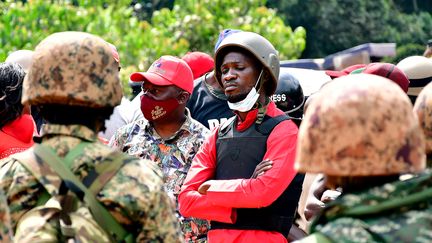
(167, 70)
(386, 70)
(336, 74)
(199, 62)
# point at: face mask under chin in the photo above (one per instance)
(237, 98)
(249, 101)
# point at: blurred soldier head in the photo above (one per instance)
(423, 109)
(73, 79)
(360, 126)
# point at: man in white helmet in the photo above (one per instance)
(418, 70)
(241, 178)
(22, 57)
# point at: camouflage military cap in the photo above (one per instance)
(423, 108)
(360, 125)
(73, 68)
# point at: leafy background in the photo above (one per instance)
(190, 25)
(143, 30)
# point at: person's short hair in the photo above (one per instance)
(11, 80)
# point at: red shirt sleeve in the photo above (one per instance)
(265, 189)
(191, 202)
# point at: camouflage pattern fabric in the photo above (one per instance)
(135, 196)
(71, 68)
(5, 227)
(173, 156)
(41, 224)
(423, 109)
(400, 211)
(356, 121)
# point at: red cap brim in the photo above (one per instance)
(150, 77)
(335, 74)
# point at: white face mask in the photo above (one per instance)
(247, 103)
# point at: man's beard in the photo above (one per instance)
(236, 98)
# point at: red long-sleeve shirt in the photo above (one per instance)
(17, 135)
(224, 196)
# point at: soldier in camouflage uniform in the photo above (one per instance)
(5, 229)
(361, 133)
(423, 108)
(74, 81)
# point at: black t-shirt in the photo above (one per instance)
(207, 108)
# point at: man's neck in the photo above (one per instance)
(169, 126)
(261, 100)
(242, 115)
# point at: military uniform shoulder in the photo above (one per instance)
(5, 226)
(12, 163)
(347, 230)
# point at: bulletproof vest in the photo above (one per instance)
(238, 154)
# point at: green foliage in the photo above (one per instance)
(195, 25)
(190, 25)
(335, 25)
(413, 6)
(22, 26)
(144, 8)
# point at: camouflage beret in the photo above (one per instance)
(360, 125)
(423, 108)
(73, 68)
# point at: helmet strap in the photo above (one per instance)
(258, 82)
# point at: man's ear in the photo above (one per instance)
(183, 97)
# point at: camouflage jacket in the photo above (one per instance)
(395, 212)
(173, 156)
(5, 228)
(135, 195)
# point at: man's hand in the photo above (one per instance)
(330, 195)
(262, 167)
(313, 203)
(204, 187)
(318, 196)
